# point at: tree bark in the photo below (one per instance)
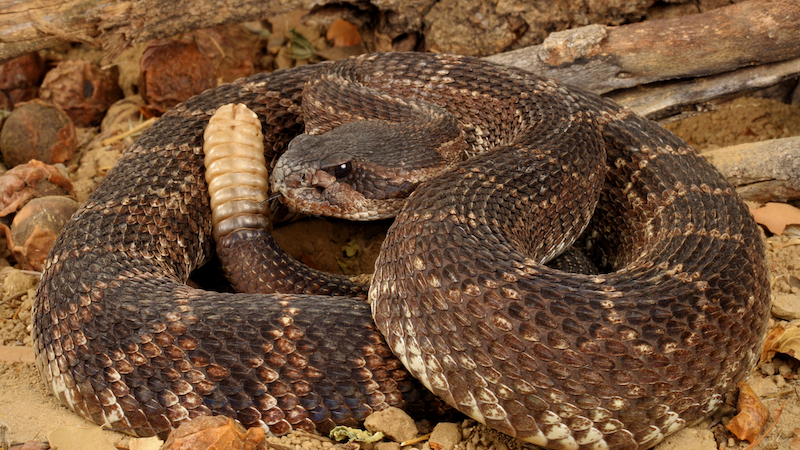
(596, 57)
(29, 25)
(602, 59)
(712, 45)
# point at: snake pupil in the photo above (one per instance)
(342, 170)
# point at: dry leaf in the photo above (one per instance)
(781, 340)
(343, 34)
(777, 216)
(215, 433)
(752, 417)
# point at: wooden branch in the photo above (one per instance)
(131, 22)
(26, 26)
(664, 100)
(766, 171)
(595, 57)
(29, 25)
(602, 59)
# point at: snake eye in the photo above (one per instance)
(342, 170)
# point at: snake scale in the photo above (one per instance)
(460, 296)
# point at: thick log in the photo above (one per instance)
(766, 171)
(603, 59)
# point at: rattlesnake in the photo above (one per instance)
(615, 360)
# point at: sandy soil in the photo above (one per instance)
(28, 412)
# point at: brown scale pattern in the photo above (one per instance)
(614, 360)
(124, 342)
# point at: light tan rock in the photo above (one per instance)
(445, 436)
(392, 422)
(786, 306)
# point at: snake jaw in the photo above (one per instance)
(313, 190)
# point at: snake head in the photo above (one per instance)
(358, 171)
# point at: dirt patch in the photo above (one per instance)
(745, 119)
(30, 412)
(337, 246)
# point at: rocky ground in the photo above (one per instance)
(29, 413)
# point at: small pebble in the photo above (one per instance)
(784, 369)
(763, 387)
(445, 436)
(476, 438)
(786, 306)
(779, 381)
(768, 369)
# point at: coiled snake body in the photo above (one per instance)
(616, 360)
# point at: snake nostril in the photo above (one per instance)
(295, 180)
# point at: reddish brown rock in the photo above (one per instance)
(20, 77)
(232, 50)
(35, 228)
(28, 181)
(37, 130)
(82, 90)
(171, 72)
